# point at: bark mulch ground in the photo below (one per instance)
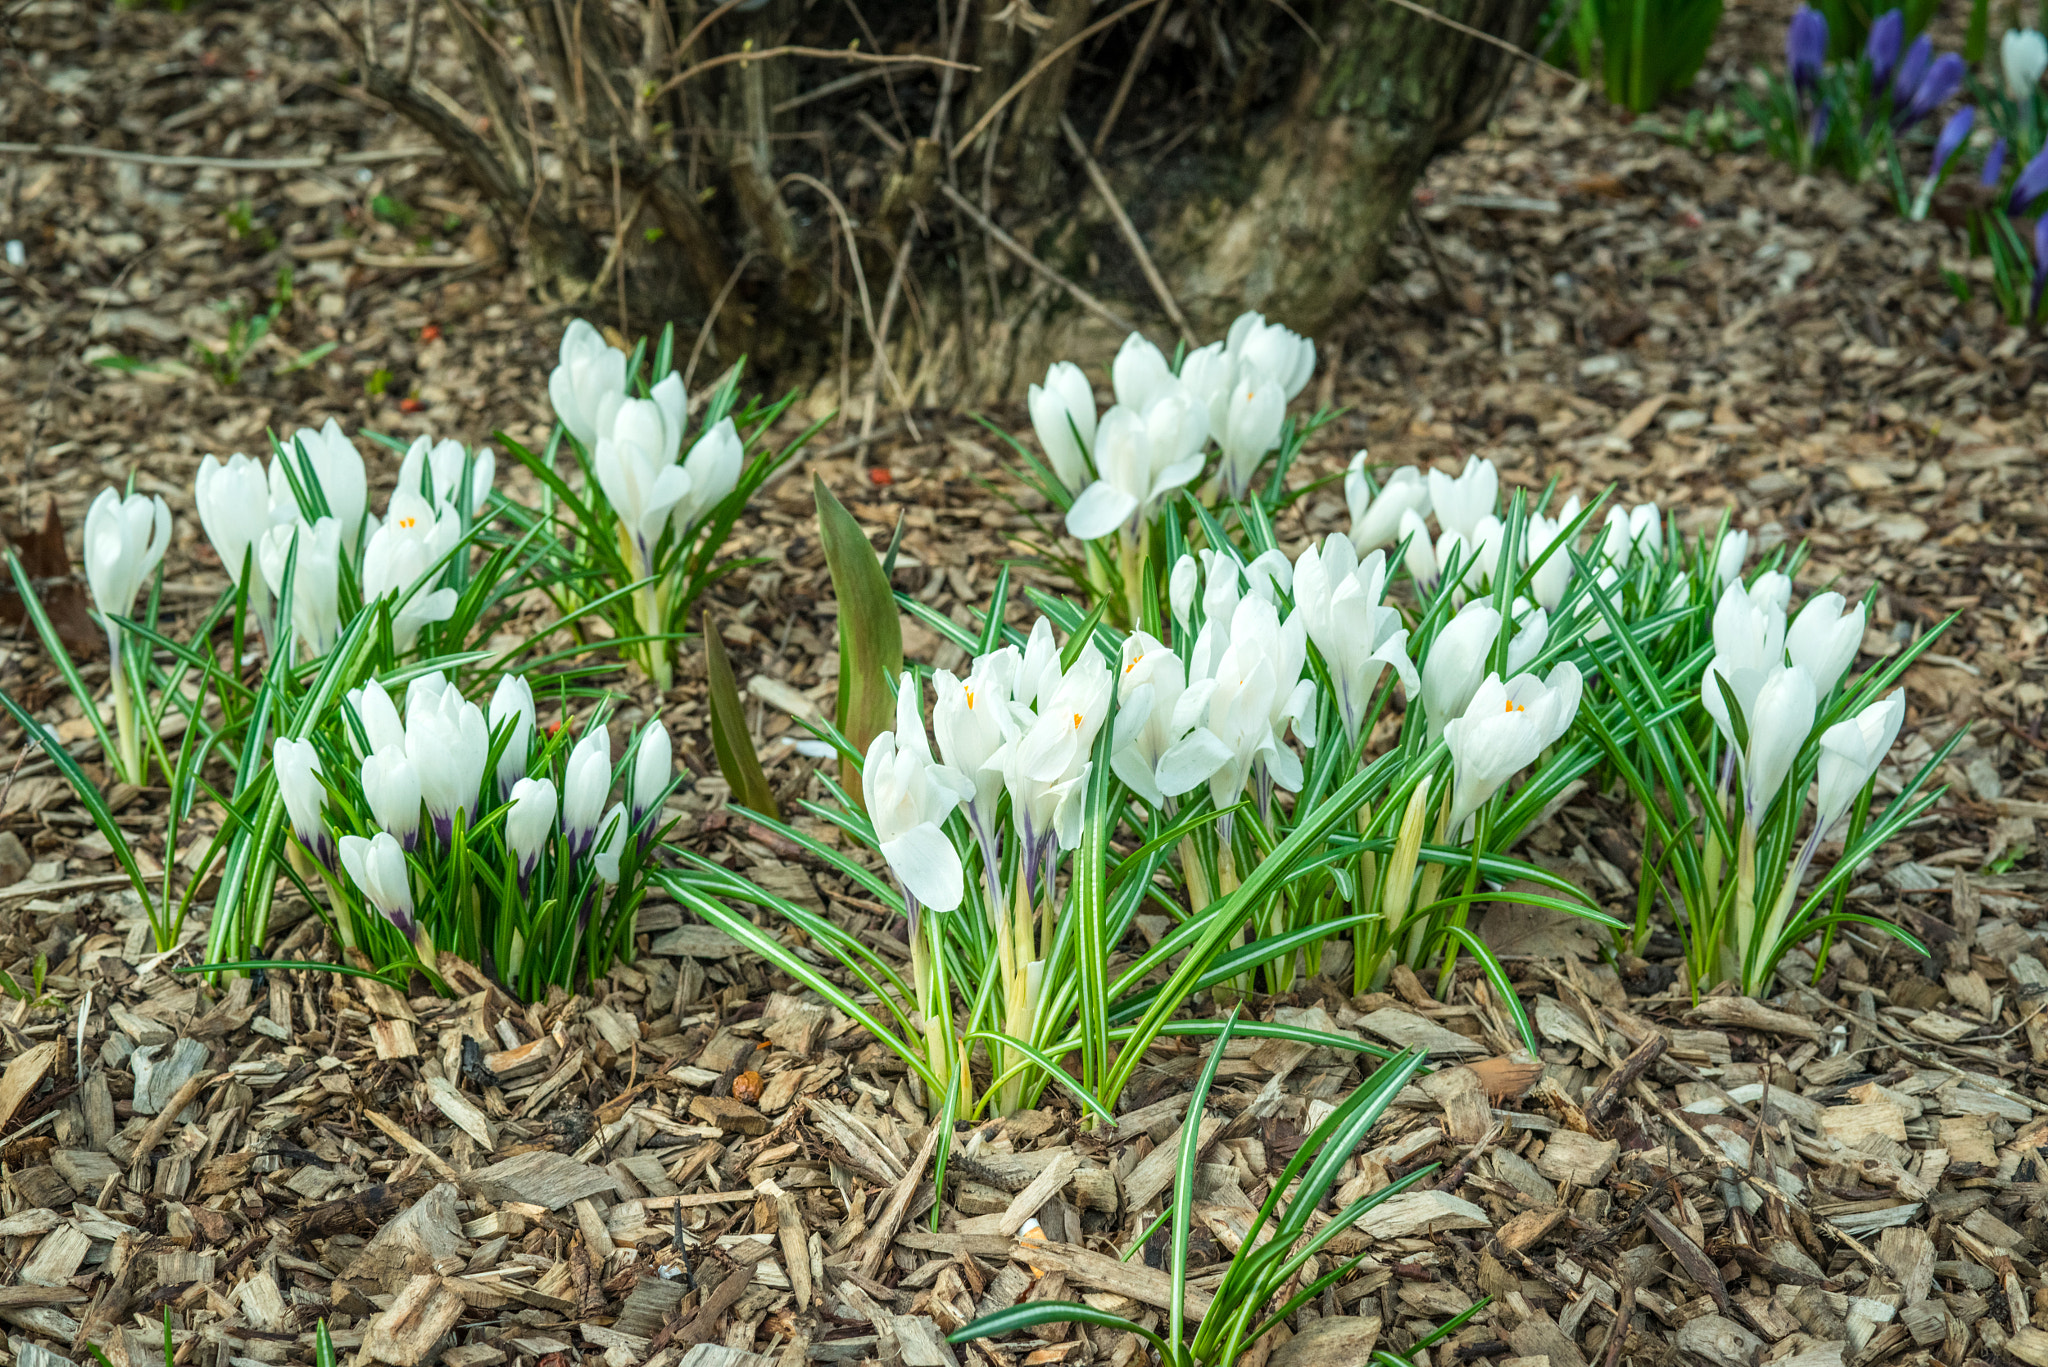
(1847, 1175)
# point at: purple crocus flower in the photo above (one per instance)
(1943, 79)
(2030, 185)
(1952, 134)
(1912, 69)
(1886, 35)
(1994, 166)
(1806, 47)
(2040, 269)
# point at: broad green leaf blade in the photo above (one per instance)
(870, 630)
(730, 738)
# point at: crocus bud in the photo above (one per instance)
(971, 718)
(611, 844)
(1180, 589)
(377, 866)
(590, 370)
(1140, 375)
(585, 784)
(337, 474)
(431, 470)
(1269, 349)
(392, 788)
(379, 717)
(234, 508)
(1912, 70)
(909, 798)
(1251, 430)
(1455, 663)
(713, 466)
(1779, 724)
(1953, 133)
(1376, 516)
(448, 744)
(316, 577)
(1850, 753)
(1887, 32)
(1824, 638)
(1994, 166)
(2024, 55)
(1063, 417)
(1730, 554)
(297, 765)
(529, 822)
(653, 765)
(1421, 556)
(512, 705)
(1460, 503)
(125, 540)
(637, 471)
(2040, 267)
(410, 546)
(1806, 47)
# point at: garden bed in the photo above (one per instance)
(1847, 1174)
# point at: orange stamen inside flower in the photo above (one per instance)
(1077, 721)
(1134, 662)
(407, 522)
(970, 698)
(1514, 706)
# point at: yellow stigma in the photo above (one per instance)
(1077, 721)
(1514, 706)
(407, 522)
(1134, 662)
(970, 698)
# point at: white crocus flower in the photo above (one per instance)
(512, 704)
(529, 822)
(1038, 669)
(125, 540)
(1251, 430)
(665, 415)
(1646, 530)
(1285, 356)
(411, 545)
(1532, 632)
(591, 370)
(2024, 55)
(654, 764)
(297, 765)
(1555, 576)
(972, 717)
(909, 795)
(1503, 731)
(1779, 723)
(1749, 645)
(378, 715)
(1460, 503)
(234, 508)
(713, 466)
(448, 743)
(1063, 416)
(1850, 753)
(1773, 590)
(1420, 557)
(1269, 576)
(611, 844)
(392, 788)
(1140, 375)
(1181, 587)
(1377, 517)
(1207, 376)
(586, 782)
(1156, 749)
(1824, 639)
(1045, 766)
(1341, 602)
(432, 470)
(1728, 558)
(1615, 542)
(1140, 458)
(337, 470)
(636, 468)
(1456, 663)
(1251, 691)
(316, 578)
(377, 866)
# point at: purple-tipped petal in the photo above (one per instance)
(1886, 36)
(1994, 166)
(1806, 47)
(2029, 185)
